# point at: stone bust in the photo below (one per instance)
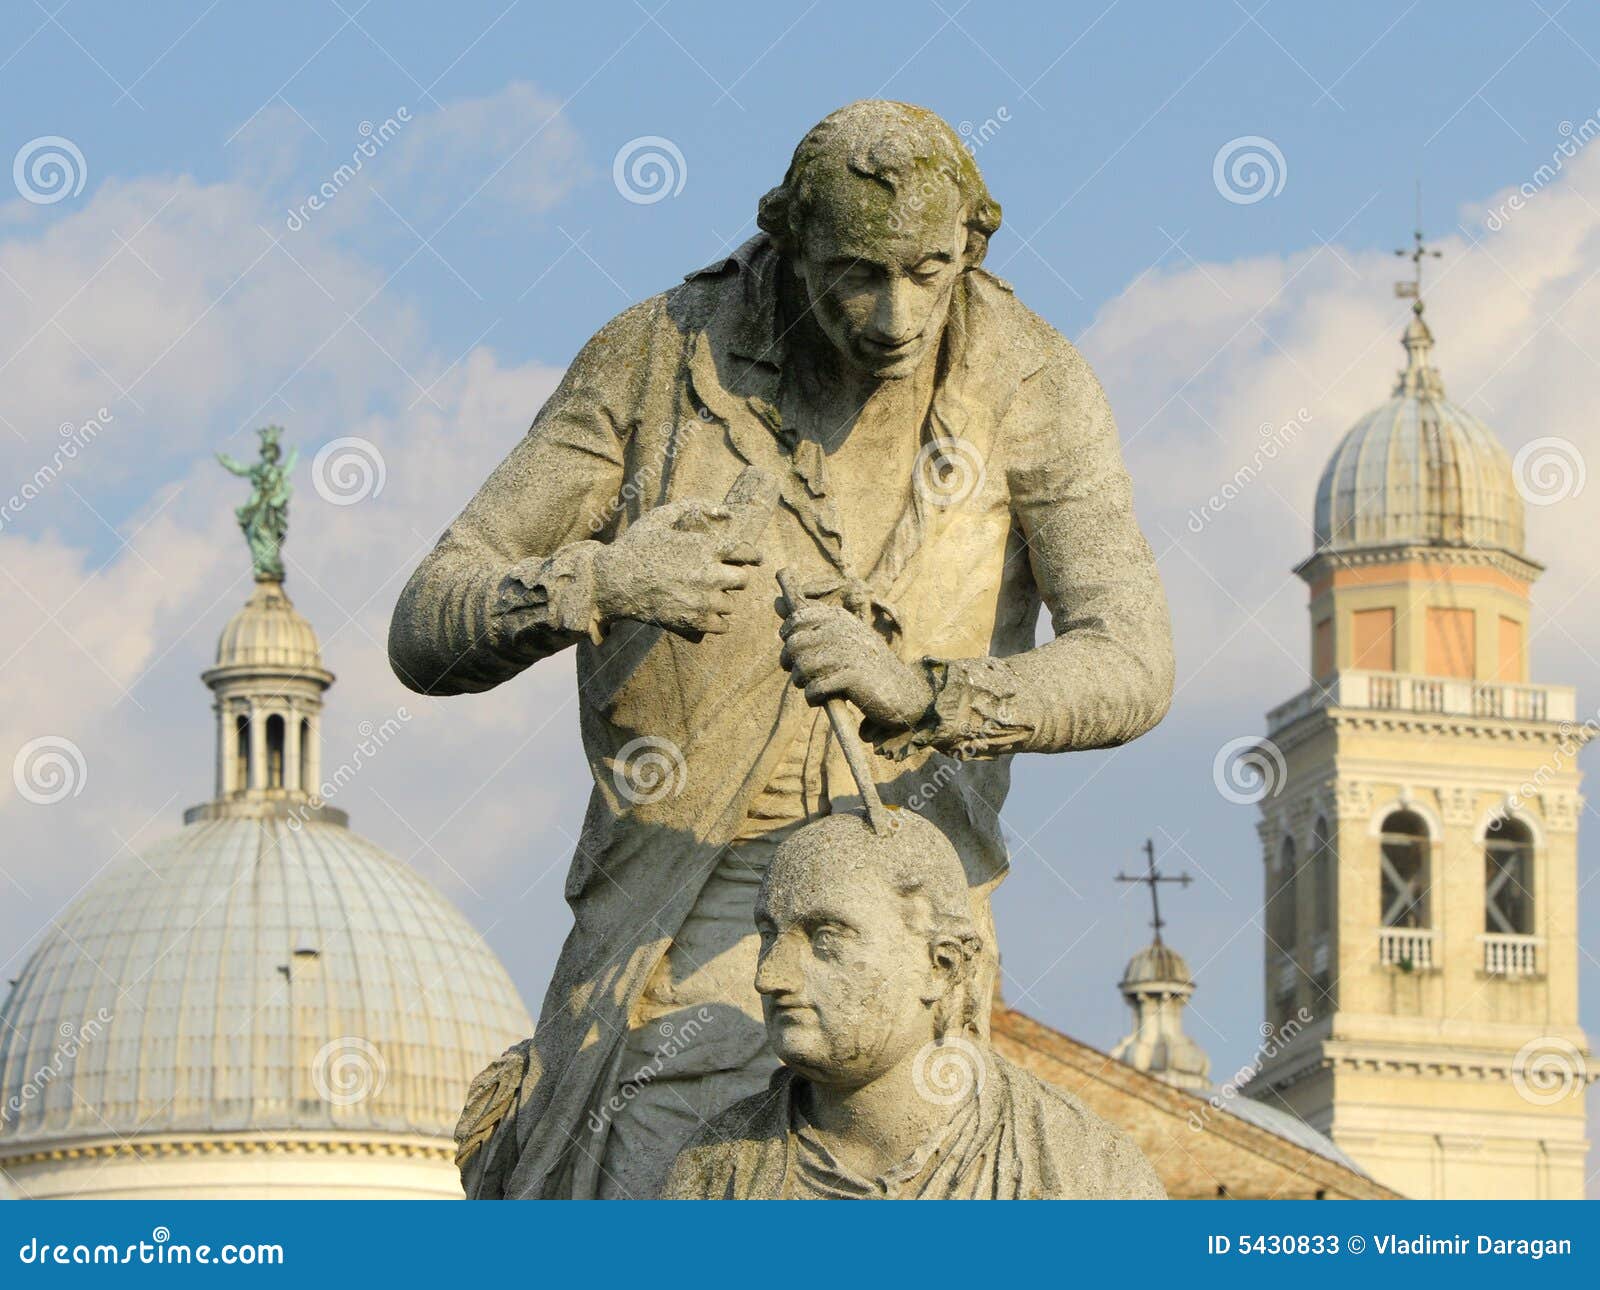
(945, 465)
(888, 1089)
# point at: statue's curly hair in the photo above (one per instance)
(897, 144)
(921, 867)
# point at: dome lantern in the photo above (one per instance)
(265, 1004)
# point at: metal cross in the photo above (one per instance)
(1413, 290)
(1153, 877)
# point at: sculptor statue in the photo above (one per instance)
(888, 1089)
(943, 463)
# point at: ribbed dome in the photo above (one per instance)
(1419, 469)
(268, 632)
(246, 975)
(1156, 964)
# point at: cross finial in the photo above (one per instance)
(1419, 252)
(1153, 877)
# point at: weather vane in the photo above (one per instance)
(1417, 254)
(264, 517)
(1153, 877)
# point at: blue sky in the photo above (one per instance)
(429, 306)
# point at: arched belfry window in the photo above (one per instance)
(275, 751)
(1281, 922)
(1324, 893)
(305, 755)
(1508, 878)
(1403, 861)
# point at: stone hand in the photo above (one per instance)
(677, 568)
(829, 651)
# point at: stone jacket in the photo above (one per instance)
(671, 400)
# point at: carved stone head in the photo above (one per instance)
(867, 947)
(880, 213)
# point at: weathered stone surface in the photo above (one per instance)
(890, 1091)
(945, 463)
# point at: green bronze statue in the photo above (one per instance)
(265, 515)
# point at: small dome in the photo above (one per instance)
(252, 975)
(1157, 964)
(269, 632)
(1419, 469)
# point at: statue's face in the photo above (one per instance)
(879, 267)
(846, 986)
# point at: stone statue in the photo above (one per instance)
(888, 1089)
(265, 515)
(945, 463)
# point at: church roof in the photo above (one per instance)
(253, 974)
(1419, 469)
(268, 631)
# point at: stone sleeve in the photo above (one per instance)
(538, 516)
(1107, 676)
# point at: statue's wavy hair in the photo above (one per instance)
(898, 144)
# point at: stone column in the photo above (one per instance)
(258, 746)
(291, 749)
(224, 748)
(313, 760)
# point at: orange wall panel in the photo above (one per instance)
(1451, 644)
(1372, 640)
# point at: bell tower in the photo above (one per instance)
(1420, 835)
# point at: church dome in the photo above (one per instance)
(276, 990)
(263, 1004)
(1419, 469)
(268, 632)
(254, 975)
(1157, 964)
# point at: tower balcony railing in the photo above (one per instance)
(1440, 695)
(1508, 954)
(1407, 948)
